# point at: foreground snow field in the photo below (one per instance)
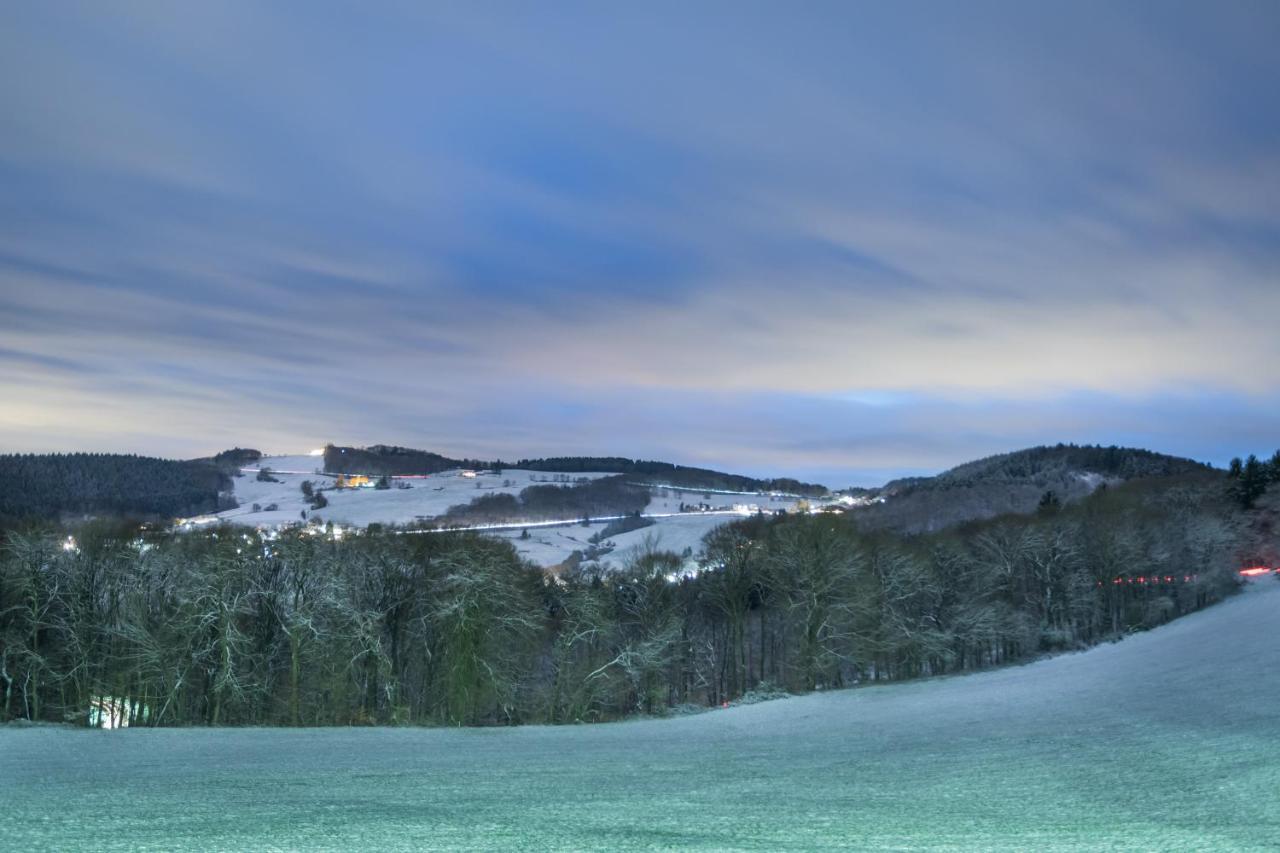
(1167, 740)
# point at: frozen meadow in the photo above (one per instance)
(1167, 740)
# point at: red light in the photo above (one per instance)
(1257, 570)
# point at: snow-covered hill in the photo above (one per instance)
(1168, 740)
(413, 499)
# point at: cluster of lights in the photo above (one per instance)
(1252, 572)
(1152, 579)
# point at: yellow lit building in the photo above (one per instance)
(351, 481)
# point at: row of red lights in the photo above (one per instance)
(1255, 571)
(1155, 579)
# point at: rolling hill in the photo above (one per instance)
(1015, 483)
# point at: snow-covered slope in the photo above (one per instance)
(419, 498)
(1169, 740)
(410, 499)
(550, 545)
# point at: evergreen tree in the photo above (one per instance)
(1049, 503)
(1251, 483)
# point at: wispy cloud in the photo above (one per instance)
(852, 240)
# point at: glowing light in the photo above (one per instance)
(70, 545)
(319, 451)
(110, 712)
(1256, 570)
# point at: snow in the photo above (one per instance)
(550, 545)
(1167, 740)
(431, 496)
(1093, 480)
(425, 497)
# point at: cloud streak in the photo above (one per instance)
(854, 241)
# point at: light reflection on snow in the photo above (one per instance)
(109, 712)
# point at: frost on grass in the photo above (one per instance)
(1167, 740)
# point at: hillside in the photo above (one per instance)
(384, 459)
(1101, 750)
(51, 485)
(1015, 483)
(426, 498)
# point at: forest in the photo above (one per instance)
(669, 474)
(234, 627)
(1124, 463)
(57, 484)
(603, 497)
(1015, 483)
(383, 459)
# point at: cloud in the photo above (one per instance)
(828, 239)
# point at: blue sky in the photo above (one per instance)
(842, 241)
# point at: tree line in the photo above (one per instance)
(670, 474)
(1251, 477)
(389, 460)
(234, 627)
(596, 498)
(1124, 463)
(56, 484)
(383, 459)
(1015, 483)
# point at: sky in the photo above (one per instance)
(841, 241)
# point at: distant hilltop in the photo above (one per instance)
(1017, 482)
(381, 459)
(58, 485)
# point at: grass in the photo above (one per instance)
(1167, 740)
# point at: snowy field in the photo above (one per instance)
(1169, 740)
(550, 545)
(432, 496)
(425, 497)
